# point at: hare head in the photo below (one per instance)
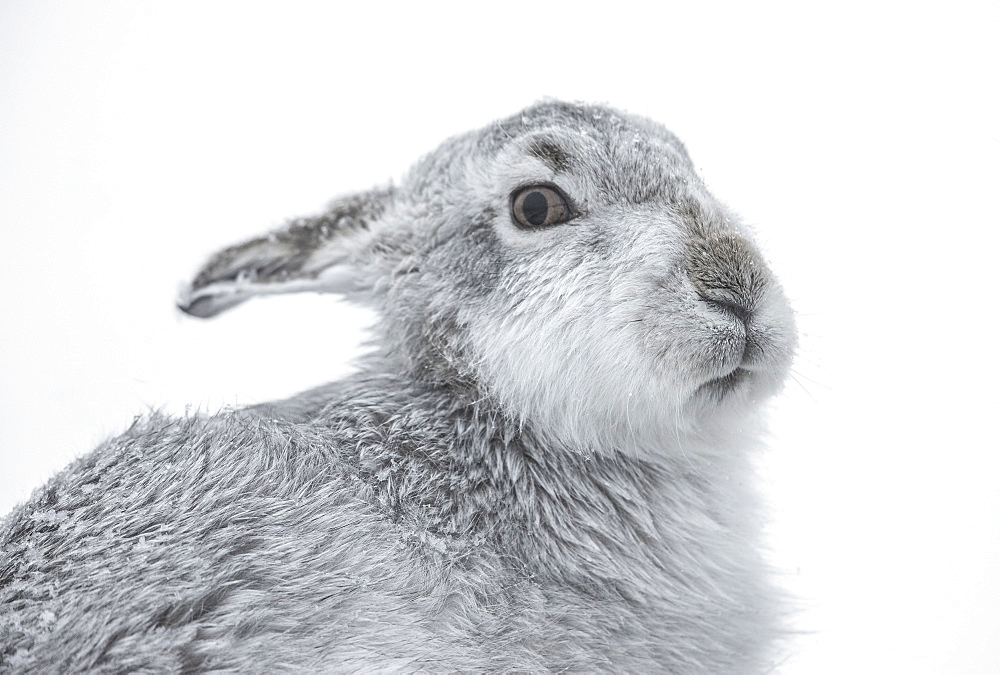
(566, 266)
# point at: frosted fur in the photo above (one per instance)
(544, 464)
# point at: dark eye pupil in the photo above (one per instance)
(535, 207)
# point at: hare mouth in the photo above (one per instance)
(720, 386)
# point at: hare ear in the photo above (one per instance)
(308, 254)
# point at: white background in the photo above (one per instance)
(861, 140)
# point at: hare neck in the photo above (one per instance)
(458, 469)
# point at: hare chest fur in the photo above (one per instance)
(544, 464)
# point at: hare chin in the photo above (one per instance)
(720, 388)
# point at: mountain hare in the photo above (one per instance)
(543, 465)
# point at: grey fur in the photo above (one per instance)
(545, 464)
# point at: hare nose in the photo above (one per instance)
(728, 274)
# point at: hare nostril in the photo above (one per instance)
(731, 301)
(731, 307)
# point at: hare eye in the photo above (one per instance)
(540, 205)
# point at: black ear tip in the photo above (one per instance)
(205, 306)
(200, 308)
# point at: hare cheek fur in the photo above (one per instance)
(543, 464)
(600, 335)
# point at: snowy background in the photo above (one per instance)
(861, 140)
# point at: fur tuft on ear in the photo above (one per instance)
(317, 253)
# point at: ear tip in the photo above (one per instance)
(208, 306)
(198, 308)
(202, 305)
